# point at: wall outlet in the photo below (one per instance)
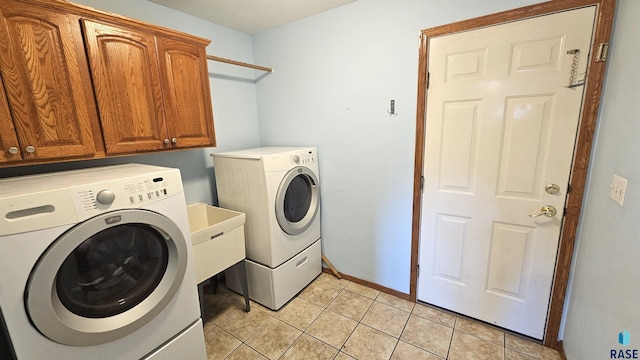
(618, 189)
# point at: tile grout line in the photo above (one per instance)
(354, 329)
(326, 308)
(294, 341)
(403, 328)
(453, 330)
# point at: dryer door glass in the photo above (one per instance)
(297, 200)
(112, 271)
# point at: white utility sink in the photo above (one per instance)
(217, 237)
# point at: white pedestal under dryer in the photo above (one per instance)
(278, 189)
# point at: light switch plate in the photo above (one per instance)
(618, 189)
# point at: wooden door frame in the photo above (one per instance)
(584, 141)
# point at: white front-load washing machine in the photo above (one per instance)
(96, 264)
(278, 189)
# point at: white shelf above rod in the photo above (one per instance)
(239, 63)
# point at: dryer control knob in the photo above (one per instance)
(105, 197)
(296, 159)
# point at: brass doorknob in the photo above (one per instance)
(547, 210)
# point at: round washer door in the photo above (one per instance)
(106, 277)
(297, 200)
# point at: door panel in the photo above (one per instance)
(500, 124)
(186, 93)
(8, 138)
(124, 66)
(449, 260)
(509, 259)
(459, 146)
(48, 87)
(524, 145)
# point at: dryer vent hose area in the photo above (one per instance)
(333, 270)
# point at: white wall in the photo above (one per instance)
(232, 90)
(335, 74)
(604, 293)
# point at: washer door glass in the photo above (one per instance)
(106, 277)
(113, 270)
(297, 200)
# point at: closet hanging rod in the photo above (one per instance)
(239, 63)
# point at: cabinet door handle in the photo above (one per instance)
(30, 149)
(174, 140)
(13, 150)
(166, 141)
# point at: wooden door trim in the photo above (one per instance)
(584, 141)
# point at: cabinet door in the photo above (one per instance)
(185, 86)
(8, 139)
(124, 66)
(48, 86)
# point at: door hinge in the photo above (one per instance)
(603, 51)
(421, 183)
(428, 78)
(418, 270)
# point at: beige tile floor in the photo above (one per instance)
(339, 319)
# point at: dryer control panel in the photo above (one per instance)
(286, 161)
(304, 158)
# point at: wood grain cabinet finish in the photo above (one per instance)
(185, 85)
(79, 83)
(47, 84)
(9, 146)
(126, 78)
(152, 92)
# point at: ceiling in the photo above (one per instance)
(252, 16)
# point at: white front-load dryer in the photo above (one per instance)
(278, 188)
(97, 264)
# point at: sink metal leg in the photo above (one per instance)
(242, 272)
(201, 297)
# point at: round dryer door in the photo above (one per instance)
(106, 277)
(297, 200)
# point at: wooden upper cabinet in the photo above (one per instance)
(126, 79)
(80, 83)
(185, 85)
(47, 84)
(152, 91)
(9, 146)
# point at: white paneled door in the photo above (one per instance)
(503, 106)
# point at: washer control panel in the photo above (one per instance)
(146, 191)
(34, 202)
(105, 197)
(134, 192)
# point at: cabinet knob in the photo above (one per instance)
(174, 140)
(30, 149)
(13, 150)
(166, 141)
